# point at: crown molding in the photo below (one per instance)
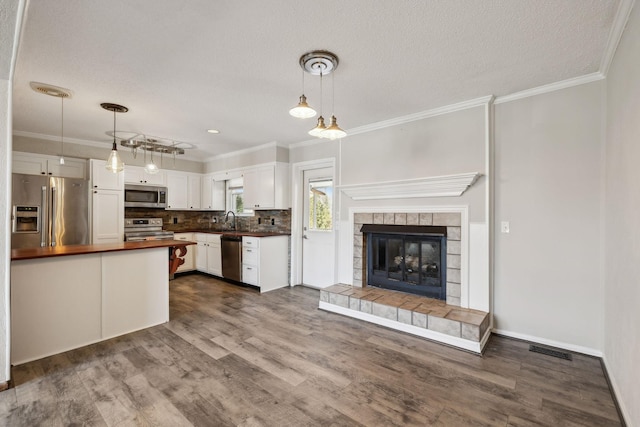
(403, 119)
(552, 87)
(96, 144)
(434, 186)
(617, 28)
(245, 151)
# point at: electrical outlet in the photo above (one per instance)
(504, 227)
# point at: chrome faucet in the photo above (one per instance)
(226, 218)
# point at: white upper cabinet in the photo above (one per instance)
(38, 164)
(267, 187)
(177, 190)
(103, 179)
(137, 175)
(194, 199)
(213, 194)
(183, 190)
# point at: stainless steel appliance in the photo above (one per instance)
(141, 229)
(49, 211)
(145, 196)
(231, 257)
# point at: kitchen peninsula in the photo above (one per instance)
(66, 297)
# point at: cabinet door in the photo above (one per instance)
(259, 187)
(103, 179)
(72, 168)
(201, 252)
(178, 191)
(189, 258)
(133, 175)
(107, 216)
(206, 201)
(29, 164)
(219, 196)
(194, 192)
(159, 178)
(214, 259)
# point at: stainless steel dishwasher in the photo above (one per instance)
(231, 257)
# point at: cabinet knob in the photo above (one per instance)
(43, 173)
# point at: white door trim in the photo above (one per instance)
(297, 209)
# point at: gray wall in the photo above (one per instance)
(622, 226)
(265, 154)
(100, 151)
(549, 170)
(442, 145)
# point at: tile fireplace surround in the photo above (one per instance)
(441, 321)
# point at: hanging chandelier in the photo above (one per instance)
(319, 63)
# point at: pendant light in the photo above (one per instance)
(302, 110)
(58, 92)
(321, 63)
(114, 162)
(150, 167)
(333, 131)
(320, 126)
(62, 130)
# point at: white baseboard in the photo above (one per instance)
(616, 391)
(571, 347)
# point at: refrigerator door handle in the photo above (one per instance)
(53, 215)
(43, 228)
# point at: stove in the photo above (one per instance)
(141, 229)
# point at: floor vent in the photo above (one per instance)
(549, 352)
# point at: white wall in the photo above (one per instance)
(10, 22)
(622, 224)
(549, 172)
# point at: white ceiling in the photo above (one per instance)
(184, 66)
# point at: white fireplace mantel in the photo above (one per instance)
(434, 186)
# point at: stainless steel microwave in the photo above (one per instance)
(145, 196)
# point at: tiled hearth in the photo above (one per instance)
(426, 317)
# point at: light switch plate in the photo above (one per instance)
(504, 226)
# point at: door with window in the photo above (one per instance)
(318, 236)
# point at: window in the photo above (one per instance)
(320, 209)
(235, 202)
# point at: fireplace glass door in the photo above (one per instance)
(408, 263)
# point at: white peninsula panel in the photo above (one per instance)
(135, 291)
(55, 305)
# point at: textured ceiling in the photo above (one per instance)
(184, 66)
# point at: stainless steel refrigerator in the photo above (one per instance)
(49, 211)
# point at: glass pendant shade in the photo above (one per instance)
(114, 162)
(319, 129)
(333, 131)
(302, 110)
(151, 168)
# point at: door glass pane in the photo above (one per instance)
(320, 205)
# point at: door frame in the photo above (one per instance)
(297, 211)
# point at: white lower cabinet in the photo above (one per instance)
(265, 262)
(189, 258)
(209, 253)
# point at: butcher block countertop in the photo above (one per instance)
(54, 251)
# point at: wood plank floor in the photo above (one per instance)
(232, 357)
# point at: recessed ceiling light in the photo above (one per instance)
(213, 131)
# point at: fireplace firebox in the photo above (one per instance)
(407, 258)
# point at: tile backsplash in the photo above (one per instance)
(263, 221)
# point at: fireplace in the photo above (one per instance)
(407, 258)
